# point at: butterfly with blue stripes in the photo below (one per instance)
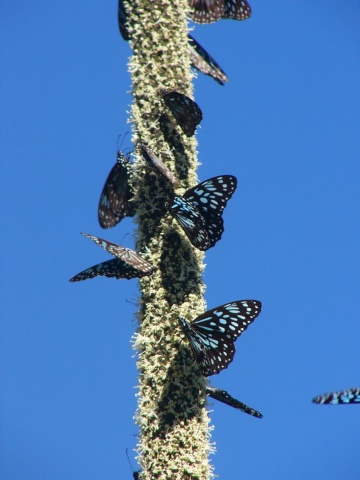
(344, 397)
(115, 200)
(199, 210)
(224, 397)
(210, 11)
(212, 334)
(187, 113)
(128, 263)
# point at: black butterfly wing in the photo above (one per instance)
(122, 20)
(344, 397)
(206, 11)
(186, 112)
(191, 221)
(115, 268)
(204, 62)
(213, 333)
(210, 197)
(157, 165)
(236, 9)
(224, 397)
(115, 199)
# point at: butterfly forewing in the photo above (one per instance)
(206, 11)
(224, 397)
(344, 397)
(212, 334)
(236, 9)
(186, 112)
(157, 165)
(203, 61)
(115, 199)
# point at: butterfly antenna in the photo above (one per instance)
(132, 470)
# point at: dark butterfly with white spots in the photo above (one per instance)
(203, 61)
(157, 165)
(115, 199)
(212, 334)
(224, 397)
(344, 397)
(128, 263)
(122, 19)
(210, 11)
(199, 210)
(186, 112)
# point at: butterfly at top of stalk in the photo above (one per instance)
(128, 263)
(224, 397)
(116, 196)
(186, 111)
(343, 397)
(199, 210)
(212, 334)
(210, 11)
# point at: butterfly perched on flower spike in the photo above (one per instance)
(122, 19)
(210, 11)
(344, 397)
(128, 263)
(199, 210)
(186, 112)
(115, 199)
(212, 334)
(157, 165)
(203, 61)
(224, 397)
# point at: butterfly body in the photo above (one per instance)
(212, 334)
(210, 11)
(199, 210)
(115, 199)
(344, 397)
(224, 397)
(186, 112)
(128, 263)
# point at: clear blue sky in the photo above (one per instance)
(287, 125)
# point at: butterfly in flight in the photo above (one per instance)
(115, 199)
(344, 397)
(199, 210)
(203, 61)
(157, 165)
(186, 112)
(224, 397)
(212, 334)
(210, 11)
(128, 263)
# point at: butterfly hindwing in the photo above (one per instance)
(115, 199)
(203, 61)
(186, 112)
(212, 334)
(344, 397)
(224, 397)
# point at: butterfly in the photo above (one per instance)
(186, 112)
(212, 334)
(203, 61)
(115, 199)
(210, 11)
(199, 210)
(128, 263)
(156, 165)
(352, 395)
(224, 397)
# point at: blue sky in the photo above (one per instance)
(287, 125)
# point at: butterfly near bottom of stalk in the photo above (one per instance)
(212, 334)
(199, 210)
(115, 199)
(128, 263)
(224, 397)
(343, 397)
